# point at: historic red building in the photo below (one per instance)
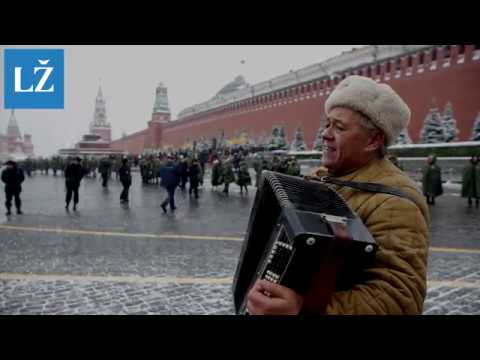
(12, 144)
(98, 141)
(421, 74)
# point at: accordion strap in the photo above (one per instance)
(363, 186)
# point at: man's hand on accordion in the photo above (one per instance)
(267, 298)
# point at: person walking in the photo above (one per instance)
(13, 178)
(125, 175)
(432, 180)
(194, 174)
(471, 182)
(73, 176)
(169, 175)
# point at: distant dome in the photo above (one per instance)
(237, 84)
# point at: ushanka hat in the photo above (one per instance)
(378, 102)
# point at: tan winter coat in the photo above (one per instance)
(397, 279)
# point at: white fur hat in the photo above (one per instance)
(378, 102)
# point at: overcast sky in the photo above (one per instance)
(130, 74)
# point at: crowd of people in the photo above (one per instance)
(183, 169)
(432, 184)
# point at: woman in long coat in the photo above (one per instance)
(217, 178)
(263, 166)
(471, 181)
(228, 175)
(432, 180)
(244, 178)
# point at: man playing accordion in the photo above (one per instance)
(363, 119)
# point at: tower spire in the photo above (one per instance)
(99, 125)
(161, 100)
(100, 93)
(13, 130)
(100, 112)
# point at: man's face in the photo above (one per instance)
(347, 145)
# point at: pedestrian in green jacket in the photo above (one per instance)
(293, 168)
(471, 181)
(217, 178)
(264, 166)
(228, 175)
(244, 178)
(432, 180)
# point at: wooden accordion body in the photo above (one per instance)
(301, 234)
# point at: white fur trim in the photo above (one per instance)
(379, 102)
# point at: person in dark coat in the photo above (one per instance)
(228, 174)
(169, 175)
(217, 178)
(236, 161)
(202, 159)
(104, 169)
(471, 181)
(73, 175)
(263, 166)
(55, 165)
(28, 166)
(244, 178)
(13, 177)
(126, 179)
(277, 165)
(194, 174)
(432, 180)
(182, 168)
(293, 169)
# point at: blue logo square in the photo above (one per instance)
(33, 79)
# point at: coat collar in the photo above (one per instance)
(367, 173)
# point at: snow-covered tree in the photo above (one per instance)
(283, 139)
(202, 144)
(251, 142)
(221, 141)
(262, 140)
(317, 143)
(403, 138)
(433, 130)
(277, 140)
(476, 129)
(298, 143)
(450, 124)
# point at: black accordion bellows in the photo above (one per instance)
(301, 233)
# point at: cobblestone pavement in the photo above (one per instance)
(105, 259)
(113, 297)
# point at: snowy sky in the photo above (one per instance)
(130, 74)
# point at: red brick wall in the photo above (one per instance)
(134, 143)
(457, 83)
(301, 113)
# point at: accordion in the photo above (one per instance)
(301, 234)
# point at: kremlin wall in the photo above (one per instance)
(422, 74)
